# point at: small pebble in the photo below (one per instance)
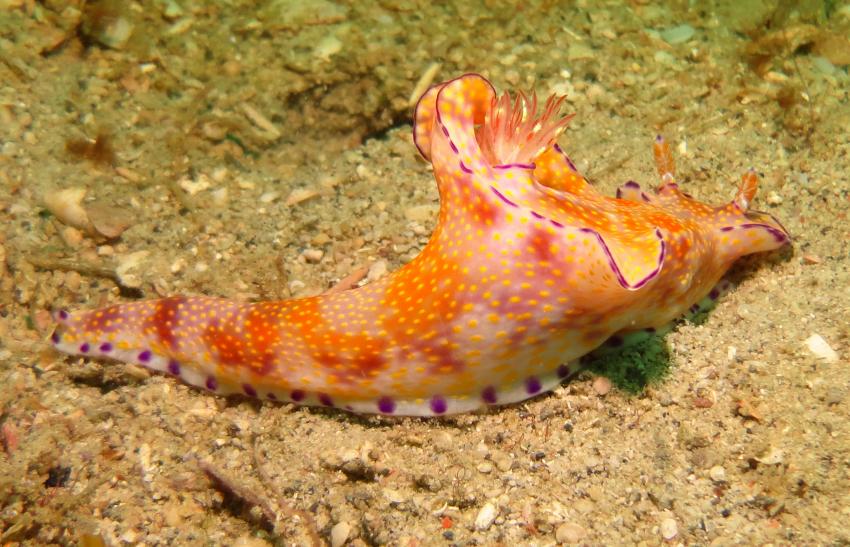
(669, 529)
(601, 385)
(485, 467)
(339, 534)
(486, 517)
(268, 197)
(71, 236)
(717, 473)
(377, 270)
(774, 199)
(678, 35)
(570, 532)
(821, 348)
(313, 255)
(503, 461)
(421, 213)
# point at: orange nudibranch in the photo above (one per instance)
(528, 269)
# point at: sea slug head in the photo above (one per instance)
(740, 231)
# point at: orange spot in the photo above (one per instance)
(162, 320)
(540, 242)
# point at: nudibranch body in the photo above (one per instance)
(528, 269)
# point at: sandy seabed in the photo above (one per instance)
(263, 150)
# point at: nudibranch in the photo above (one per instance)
(528, 269)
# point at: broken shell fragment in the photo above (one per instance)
(67, 206)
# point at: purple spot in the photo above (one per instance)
(503, 198)
(694, 308)
(249, 390)
(619, 194)
(297, 395)
(212, 383)
(465, 169)
(659, 139)
(650, 329)
(145, 356)
(714, 294)
(438, 405)
(644, 197)
(55, 337)
(566, 157)
(489, 395)
(532, 385)
(632, 184)
(105, 347)
(454, 148)
(272, 397)
(615, 341)
(385, 405)
(536, 214)
(63, 315)
(556, 223)
(563, 371)
(325, 399)
(84, 347)
(174, 367)
(727, 228)
(443, 127)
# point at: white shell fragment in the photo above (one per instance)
(821, 349)
(67, 206)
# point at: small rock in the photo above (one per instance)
(774, 199)
(193, 187)
(313, 256)
(71, 236)
(339, 534)
(601, 385)
(443, 441)
(669, 529)
(486, 517)
(503, 461)
(485, 467)
(773, 456)
(717, 473)
(248, 540)
(578, 51)
(110, 222)
(821, 348)
(393, 497)
(421, 213)
(129, 269)
(570, 532)
(678, 35)
(377, 270)
(301, 194)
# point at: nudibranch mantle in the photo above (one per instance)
(528, 269)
